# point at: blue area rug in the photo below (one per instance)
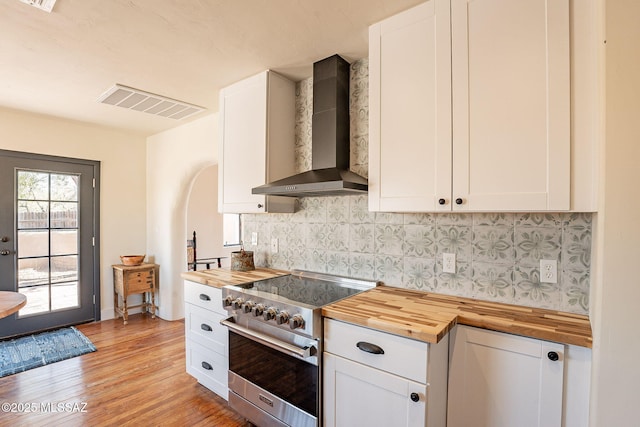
(29, 352)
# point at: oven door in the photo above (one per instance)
(276, 375)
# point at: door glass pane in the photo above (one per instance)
(48, 235)
(34, 243)
(64, 295)
(64, 215)
(64, 242)
(64, 268)
(33, 214)
(33, 185)
(64, 187)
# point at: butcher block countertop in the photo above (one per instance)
(429, 317)
(220, 277)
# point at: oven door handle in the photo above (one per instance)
(269, 341)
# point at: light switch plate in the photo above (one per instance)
(254, 238)
(274, 245)
(548, 271)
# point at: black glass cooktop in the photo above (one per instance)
(314, 292)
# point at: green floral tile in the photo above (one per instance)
(362, 266)
(506, 219)
(575, 292)
(458, 283)
(536, 243)
(529, 291)
(493, 244)
(539, 219)
(454, 239)
(388, 269)
(316, 260)
(337, 209)
(419, 240)
(493, 282)
(337, 263)
(419, 219)
(361, 238)
(337, 237)
(576, 249)
(419, 273)
(360, 210)
(388, 239)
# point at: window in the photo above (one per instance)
(231, 229)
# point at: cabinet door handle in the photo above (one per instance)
(205, 297)
(206, 327)
(207, 366)
(459, 201)
(415, 397)
(553, 356)
(369, 348)
(442, 201)
(260, 205)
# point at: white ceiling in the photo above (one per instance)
(59, 63)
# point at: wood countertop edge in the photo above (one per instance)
(430, 327)
(218, 278)
(518, 320)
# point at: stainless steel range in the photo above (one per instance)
(275, 345)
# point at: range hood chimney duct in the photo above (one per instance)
(330, 139)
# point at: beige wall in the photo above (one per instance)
(122, 157)
(174, 159)
(616, 372)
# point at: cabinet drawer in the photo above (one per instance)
(139, 281)
(402, 356)
(204, 296)
(208, 367)
(204, 327)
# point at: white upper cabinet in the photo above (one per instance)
(257, 125)
(470, 107)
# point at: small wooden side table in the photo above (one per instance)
(139, 279)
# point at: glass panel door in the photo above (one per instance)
(47, 250)
(49, 241)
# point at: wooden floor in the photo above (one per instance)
(137, 377)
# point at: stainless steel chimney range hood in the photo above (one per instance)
(330, 140)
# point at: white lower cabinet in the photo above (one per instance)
(503, 380)
(373, 378)
(206, 339)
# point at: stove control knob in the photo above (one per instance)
(282, 318)
(270, 313)
(257, 310)
(227, 301)
(248, 306)
(237, 303)
(296, 321)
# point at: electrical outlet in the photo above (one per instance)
(449, 263)
(254, 238)
(274, 245)
(548, 271)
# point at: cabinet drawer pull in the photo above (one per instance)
(415, 397)
(553, 356)
(205, 327)
(205, 297)
(207, 366)
(369, 348)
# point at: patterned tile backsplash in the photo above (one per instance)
(497, 254)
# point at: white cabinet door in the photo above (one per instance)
(470, 107)
(257, 117)
(503, 380)
(358, 395)
(511, 104)
(409, 109)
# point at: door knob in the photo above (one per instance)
(5, 252)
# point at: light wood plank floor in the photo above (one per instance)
(137, 377)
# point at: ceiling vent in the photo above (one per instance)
(46, 5)
(135, 99)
